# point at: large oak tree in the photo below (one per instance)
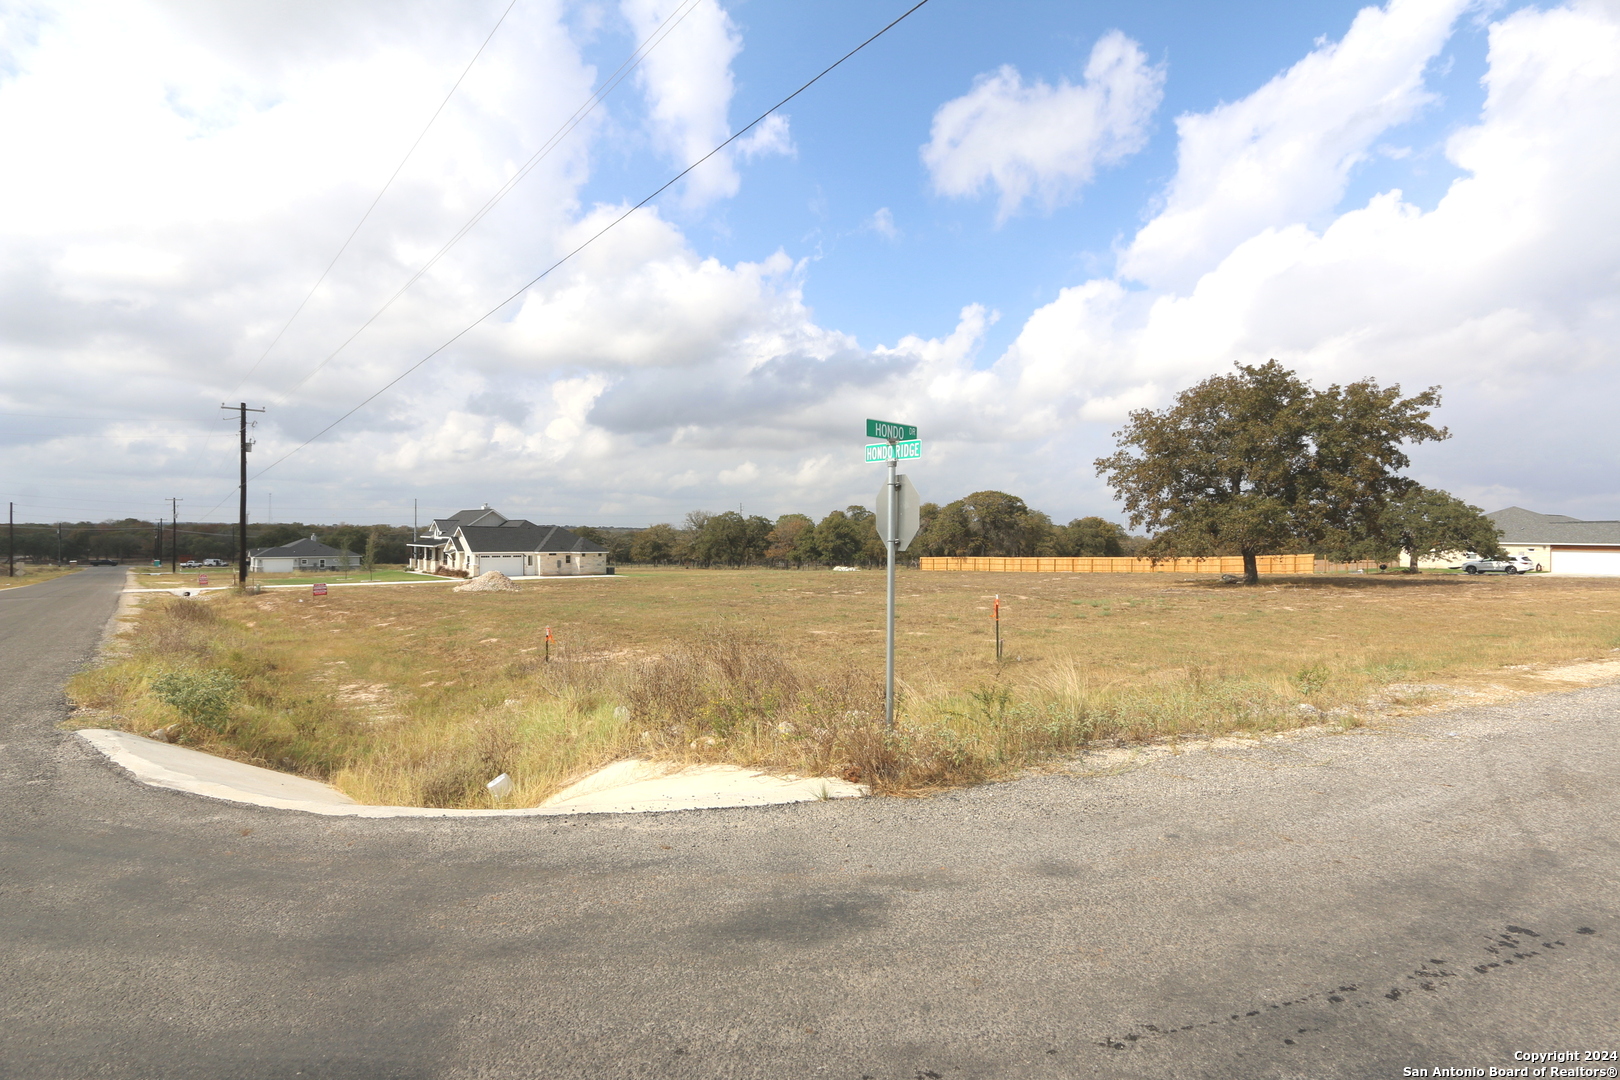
(1259, 461)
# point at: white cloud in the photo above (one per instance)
(1041, 141)
(770, 136)
(645, 378)
(688, 85)
(1503, 293)
(1284, 153)
(882, 223)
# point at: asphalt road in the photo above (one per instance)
(1345, 906)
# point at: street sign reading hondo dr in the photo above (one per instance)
(885, 429)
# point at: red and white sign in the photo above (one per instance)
(320, 588)
(202, 579)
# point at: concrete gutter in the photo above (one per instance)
(625, 787)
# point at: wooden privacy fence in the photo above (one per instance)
(1224, 564)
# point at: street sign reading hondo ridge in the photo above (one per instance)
(884, 429)
(899, 451)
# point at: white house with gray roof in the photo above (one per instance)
(300, 555)
(478, 541)
(1560, 544)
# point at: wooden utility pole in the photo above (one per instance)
(241, 524)
(11, 539)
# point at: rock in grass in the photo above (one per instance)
(494, 581)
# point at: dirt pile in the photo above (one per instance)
(494, 581)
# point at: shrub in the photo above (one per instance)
(203, 697)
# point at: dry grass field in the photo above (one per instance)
(418, 695)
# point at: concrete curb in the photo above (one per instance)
(625, 787)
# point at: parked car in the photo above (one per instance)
(1490, 566)
(190, 564)
(215, 562)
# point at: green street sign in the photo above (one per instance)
(901, 451)
(884, 429)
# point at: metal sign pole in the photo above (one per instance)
(899, 441)
(891, 544)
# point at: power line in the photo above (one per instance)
(587, 243)
(383, 191)
(610, 84)
(623, 71)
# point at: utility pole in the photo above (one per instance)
(11, 539)
(174, 535)
(58, 543)
(241, 524)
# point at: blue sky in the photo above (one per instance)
(1009, 224)
(858, 134)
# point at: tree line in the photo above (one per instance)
(983, 523)
(1253, 463)
(140, 540)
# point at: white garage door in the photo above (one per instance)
(1587, 562)
(510, 565)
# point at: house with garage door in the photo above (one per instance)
(478, 541)
(1559, 544)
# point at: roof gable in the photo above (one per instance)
(305, 548)
(483, 516)
(523, 536)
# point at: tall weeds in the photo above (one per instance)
(302, 702)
